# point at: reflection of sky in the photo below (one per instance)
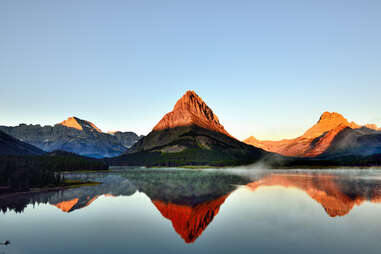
(271, 219)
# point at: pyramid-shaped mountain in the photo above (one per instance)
(79, 124)
(190, 134)
(332, 135)
(191, 110)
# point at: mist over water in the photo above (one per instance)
(229, 210)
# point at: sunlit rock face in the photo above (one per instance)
(191, 110)
(190, 221)
(328, 121)
(332, 134)
(74, 135)
(76, 123)
(321, 144)
(336, 195)
(190, 134)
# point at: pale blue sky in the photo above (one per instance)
(266, 68)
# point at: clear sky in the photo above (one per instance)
(266, 68)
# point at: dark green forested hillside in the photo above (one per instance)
(21, 172)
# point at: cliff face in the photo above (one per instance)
(328, 121)
(331, 135)
(191, 110)
(73, 135)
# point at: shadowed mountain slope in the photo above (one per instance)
(11, 146)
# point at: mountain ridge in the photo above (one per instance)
(317, 140)
(73, 135)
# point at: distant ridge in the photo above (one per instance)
(331, 135)
(74, 135)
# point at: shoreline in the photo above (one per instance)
(74, 184)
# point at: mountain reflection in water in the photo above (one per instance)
(191, 199)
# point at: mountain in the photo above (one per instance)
(362, 141)
(79, 124)
(127, 139)
(11, 146)
(191, 110)
(190, 134)
(331, 135)
(328, 121)
(74, 135)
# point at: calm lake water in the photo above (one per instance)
(200, 211)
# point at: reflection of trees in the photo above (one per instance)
(190, 199)
(19, 203)
(185, 187)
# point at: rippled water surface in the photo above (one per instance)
(200, 211)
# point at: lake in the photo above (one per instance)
(237, 210)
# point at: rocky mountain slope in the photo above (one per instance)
(74, 135)
(331, 135)
(190, 134)
(11, 146)
(191, 110)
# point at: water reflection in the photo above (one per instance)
(192, 199)
(338, 194)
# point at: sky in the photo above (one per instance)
(266, 68)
